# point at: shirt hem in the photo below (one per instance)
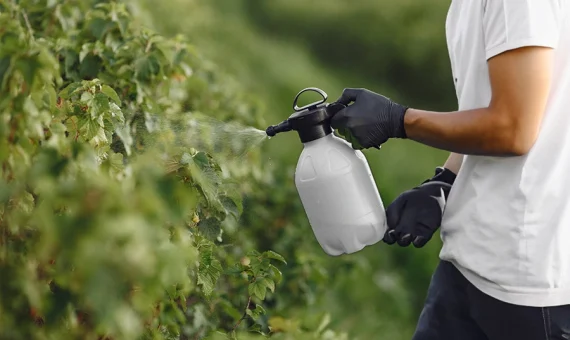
(511, 45)
(537, 298)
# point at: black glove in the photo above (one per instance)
(416, 214)
(370, 121)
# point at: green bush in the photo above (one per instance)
(134, 202)
(116, 221)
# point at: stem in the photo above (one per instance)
(4, 238)
(28, 24)
(148, 45)
(243, 316)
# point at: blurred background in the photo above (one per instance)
(266, 52)
(275, 48)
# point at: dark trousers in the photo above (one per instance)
(456, 310)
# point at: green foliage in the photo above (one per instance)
(133, 200)
(113, 223)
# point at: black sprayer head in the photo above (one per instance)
(284, 126)
(310, 121)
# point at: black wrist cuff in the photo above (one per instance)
(401, 129)
(444, 175)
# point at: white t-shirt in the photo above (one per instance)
(506, 225)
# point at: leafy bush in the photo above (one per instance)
(115, 221)
(130, 208)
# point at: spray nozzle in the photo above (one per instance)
(284, 126)
(311, 121)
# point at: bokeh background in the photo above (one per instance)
(268, 50)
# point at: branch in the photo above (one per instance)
(148, 45)
(28, 25)
(244, 314)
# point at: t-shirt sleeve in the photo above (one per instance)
(511, 24)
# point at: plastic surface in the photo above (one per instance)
(339, 196)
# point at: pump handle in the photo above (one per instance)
(319, 91)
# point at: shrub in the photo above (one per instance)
(116, 222)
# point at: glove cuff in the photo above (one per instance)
(443, 175)
(399, 129)
(443, 180)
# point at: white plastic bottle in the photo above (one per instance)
(334, 182)
(339, 195)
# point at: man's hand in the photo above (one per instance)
(370, 121)
(416, 214)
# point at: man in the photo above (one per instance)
(505, 263)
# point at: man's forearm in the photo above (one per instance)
(453, 162)
(476, 132)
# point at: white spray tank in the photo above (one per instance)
(334, 181)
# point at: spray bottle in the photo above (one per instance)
(334, 181)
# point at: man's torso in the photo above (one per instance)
(507, 220)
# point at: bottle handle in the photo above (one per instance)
(314, 89)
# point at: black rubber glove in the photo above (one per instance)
(370, 121)
(416, 214)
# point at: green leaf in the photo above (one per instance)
(106, 89)
(89, 127)
(70, 90)
(256, 328)
(147, 67)
(234, 195)
(257, 266)
(210, 228)
(257, 289)
(268, 283)
(50, 97)
(276, 273)
(71, 125)
(260, 291)
(275, 256)
(86, 97)
(71, 63)
(117, 116)
(28, 67)
(124, 133)
(11, 42)
(201, 159)
(123, 24)
(230, 206)
(101, 103)
(256, 312)
(209, 271)
(207, 181)
(4, 67)
(57, 128)
(99, 27)
(235, 270)
(90, 66)
(116, 161)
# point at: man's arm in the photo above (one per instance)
(453, 162)
(509, 126)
